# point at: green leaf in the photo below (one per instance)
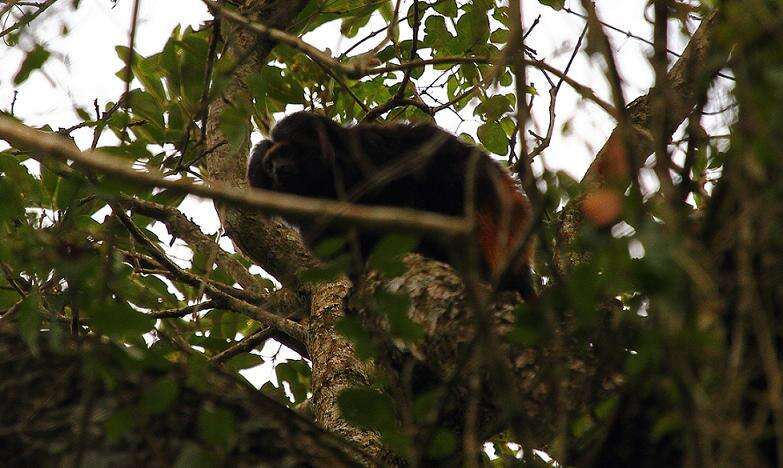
(244, 361)
(386, 257)
(493, 108)
(469, 72)
(506, 78)
(367, 408)
(446, 8)
(146, 107)
(32, 61)
(119, 424)
(422, 10)
(443, 443)
(499, 36)
(351, 328)
(198, 371)
(426, 403)
(120, 320)
(235, 124)
(556, 4)
(146, 69)
(467, 138)
(24, 184)
(297, 374)
(276, 83)
(492, 136)
(29, 320)
(216, 425)
(472, 29)
(67, 191)
(8, 296)
(670, 423)
(159, 396)
(329, 247)
(509, 126)
(276, 393)
(11, 204)
(169, 63)
(436, 35)
(229, 325)
(168, 197)
(395, 306)
(529, 328)
(333, 270)
(350, 26)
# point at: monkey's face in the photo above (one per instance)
(290, 167)
(300, 158)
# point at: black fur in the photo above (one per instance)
(417, 166)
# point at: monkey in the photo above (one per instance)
(418, 166)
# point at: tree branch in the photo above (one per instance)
(180, 226)
(28, 17)
(292, 329)
(358, 69)
(375, 218)
(692, 72)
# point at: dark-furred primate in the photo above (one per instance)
(418, 166)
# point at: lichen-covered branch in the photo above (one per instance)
(687, 78)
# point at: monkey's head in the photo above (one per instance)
(299, 158)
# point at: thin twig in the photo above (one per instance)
(636, 37)
(399, 97)
(245, 345)
(292, 329)
(358, 69)
(27, 18)
(131, 54)
(553, 93)
(183, 311)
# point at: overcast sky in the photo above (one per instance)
(85, 65)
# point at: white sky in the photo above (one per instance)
(85, 65)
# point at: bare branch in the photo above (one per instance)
(245, 345)
(293, 329)
(180, 226)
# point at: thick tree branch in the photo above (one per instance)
(689, 76)
(276, 246)
(440, 304)
(42, 144)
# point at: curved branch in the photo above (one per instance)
(370, 217)
(688, 78)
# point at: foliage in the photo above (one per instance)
(670, 298)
